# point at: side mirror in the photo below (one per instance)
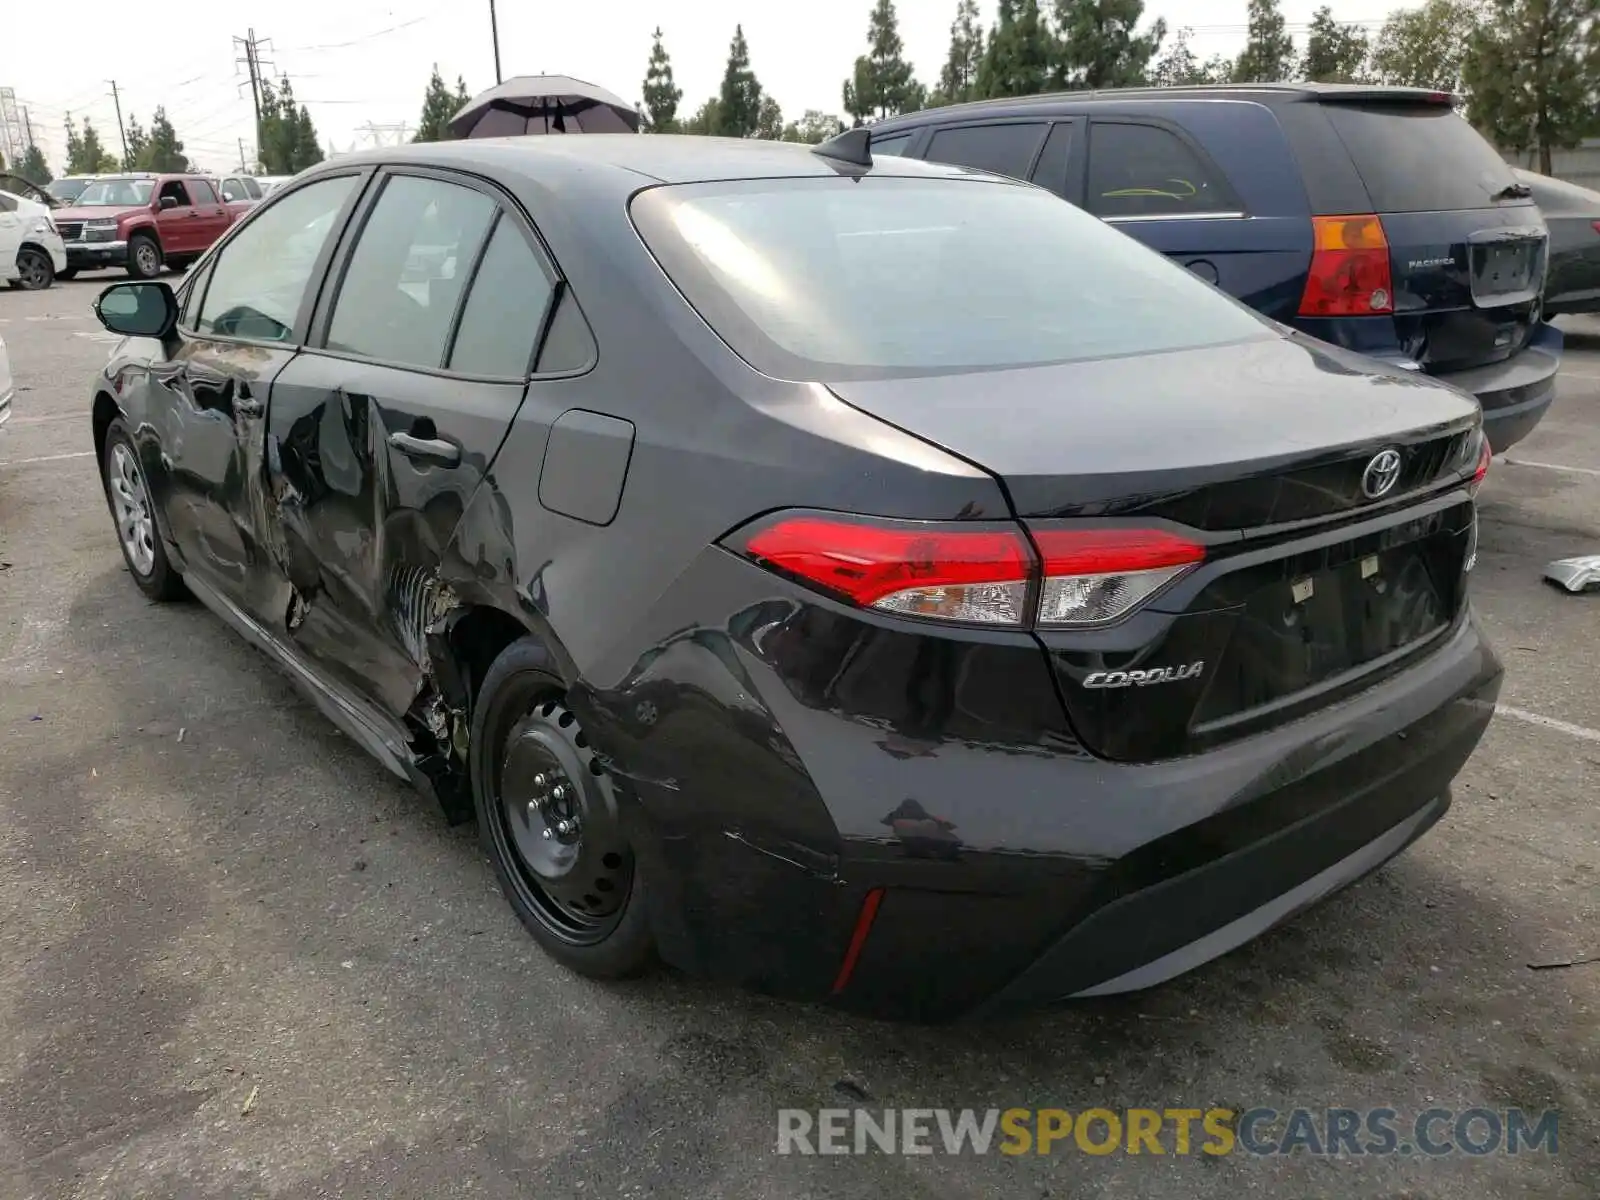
(147, 310)
(167, 202)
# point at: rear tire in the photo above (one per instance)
(547, 817)
(144, 256)
(133, 512)
(36, 271)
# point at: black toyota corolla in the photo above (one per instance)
(870, 581)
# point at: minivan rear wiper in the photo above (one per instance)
(1513, 191)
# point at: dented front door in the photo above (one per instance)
(369, 470)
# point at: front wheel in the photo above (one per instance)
(547, 814)
(144, 256)
(67, 273)
(34, 269)
(134, 513)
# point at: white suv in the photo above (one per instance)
(31, 249)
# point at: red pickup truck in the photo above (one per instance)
(141, 222)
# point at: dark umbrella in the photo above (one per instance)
(544, 104)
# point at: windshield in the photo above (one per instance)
(837, 278)
(115, 193)
(66, 189)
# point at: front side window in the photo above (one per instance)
(173, 189)
(260, 277)
(1147, 171)
(115, 193)
(405, 276)
(879, 277)
(504, 310)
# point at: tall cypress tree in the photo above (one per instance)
(1098, 45)
(739, 104)
(1268, 54)
(661, 92)
(958, 78)
(1017, 60)
(883, 84)
(438, 106)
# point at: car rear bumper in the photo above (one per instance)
(86, 256)
(1514, 394)
(797, 842)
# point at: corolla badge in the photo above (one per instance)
(1122, 679)
(1382, 473)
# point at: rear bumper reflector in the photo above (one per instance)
(858, 939)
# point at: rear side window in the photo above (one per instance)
(505, 308)
(1004, 149)
(830, 279)
(251, 188)
(1147, 171)
(202, 192)
(405, 276)
(1419, 158)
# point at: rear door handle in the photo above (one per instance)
(433, 450)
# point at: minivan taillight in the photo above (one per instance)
(1349, 274)
(972, 573)
(1481, 471)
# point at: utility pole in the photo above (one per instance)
(248, 43)
(122, 129)
(494, 32)
(28, 125)
(242, 167)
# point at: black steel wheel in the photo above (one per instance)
(547, 813)
(35, 271)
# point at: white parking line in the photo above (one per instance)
(1567, 727)
(23, 462)
(1544, 466)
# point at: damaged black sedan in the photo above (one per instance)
(867, 580)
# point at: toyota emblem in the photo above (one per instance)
(1382, 473)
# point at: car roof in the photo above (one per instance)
(632, 159)
(1266, 92)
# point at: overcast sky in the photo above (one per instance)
(356, 62)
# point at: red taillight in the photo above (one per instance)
(1349, 274)
(1481, 472)
(1597, 226)
(981, 574)
(1092, 576)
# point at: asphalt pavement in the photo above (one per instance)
(238, 959)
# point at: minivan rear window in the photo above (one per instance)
(1419, 158)
(850, 278)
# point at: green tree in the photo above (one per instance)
(958, 78)
(769, 125)
(1335, 53)
(1017, 59)
(1531, 70)
(161, 150)
(1097, 46)
(34, 168)
(85, 154)
(739, 104)
(136, 138)
(707, 120)
(438, 106)
(661, 91)
(1268, 54)
(813, 128)
(883, 83)
(1427, 47)
(287, 140)
(1181, 67)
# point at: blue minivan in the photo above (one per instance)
(1371, 217)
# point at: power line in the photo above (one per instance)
(360, 40)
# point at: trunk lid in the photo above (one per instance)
(1311, 588)
(1468, 249)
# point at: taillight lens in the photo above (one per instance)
(1481, 471)
(1092, 576)
(982, 575)
(1349, 274)
(977, 575)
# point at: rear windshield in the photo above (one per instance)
(1416, 158)
(835, 278)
